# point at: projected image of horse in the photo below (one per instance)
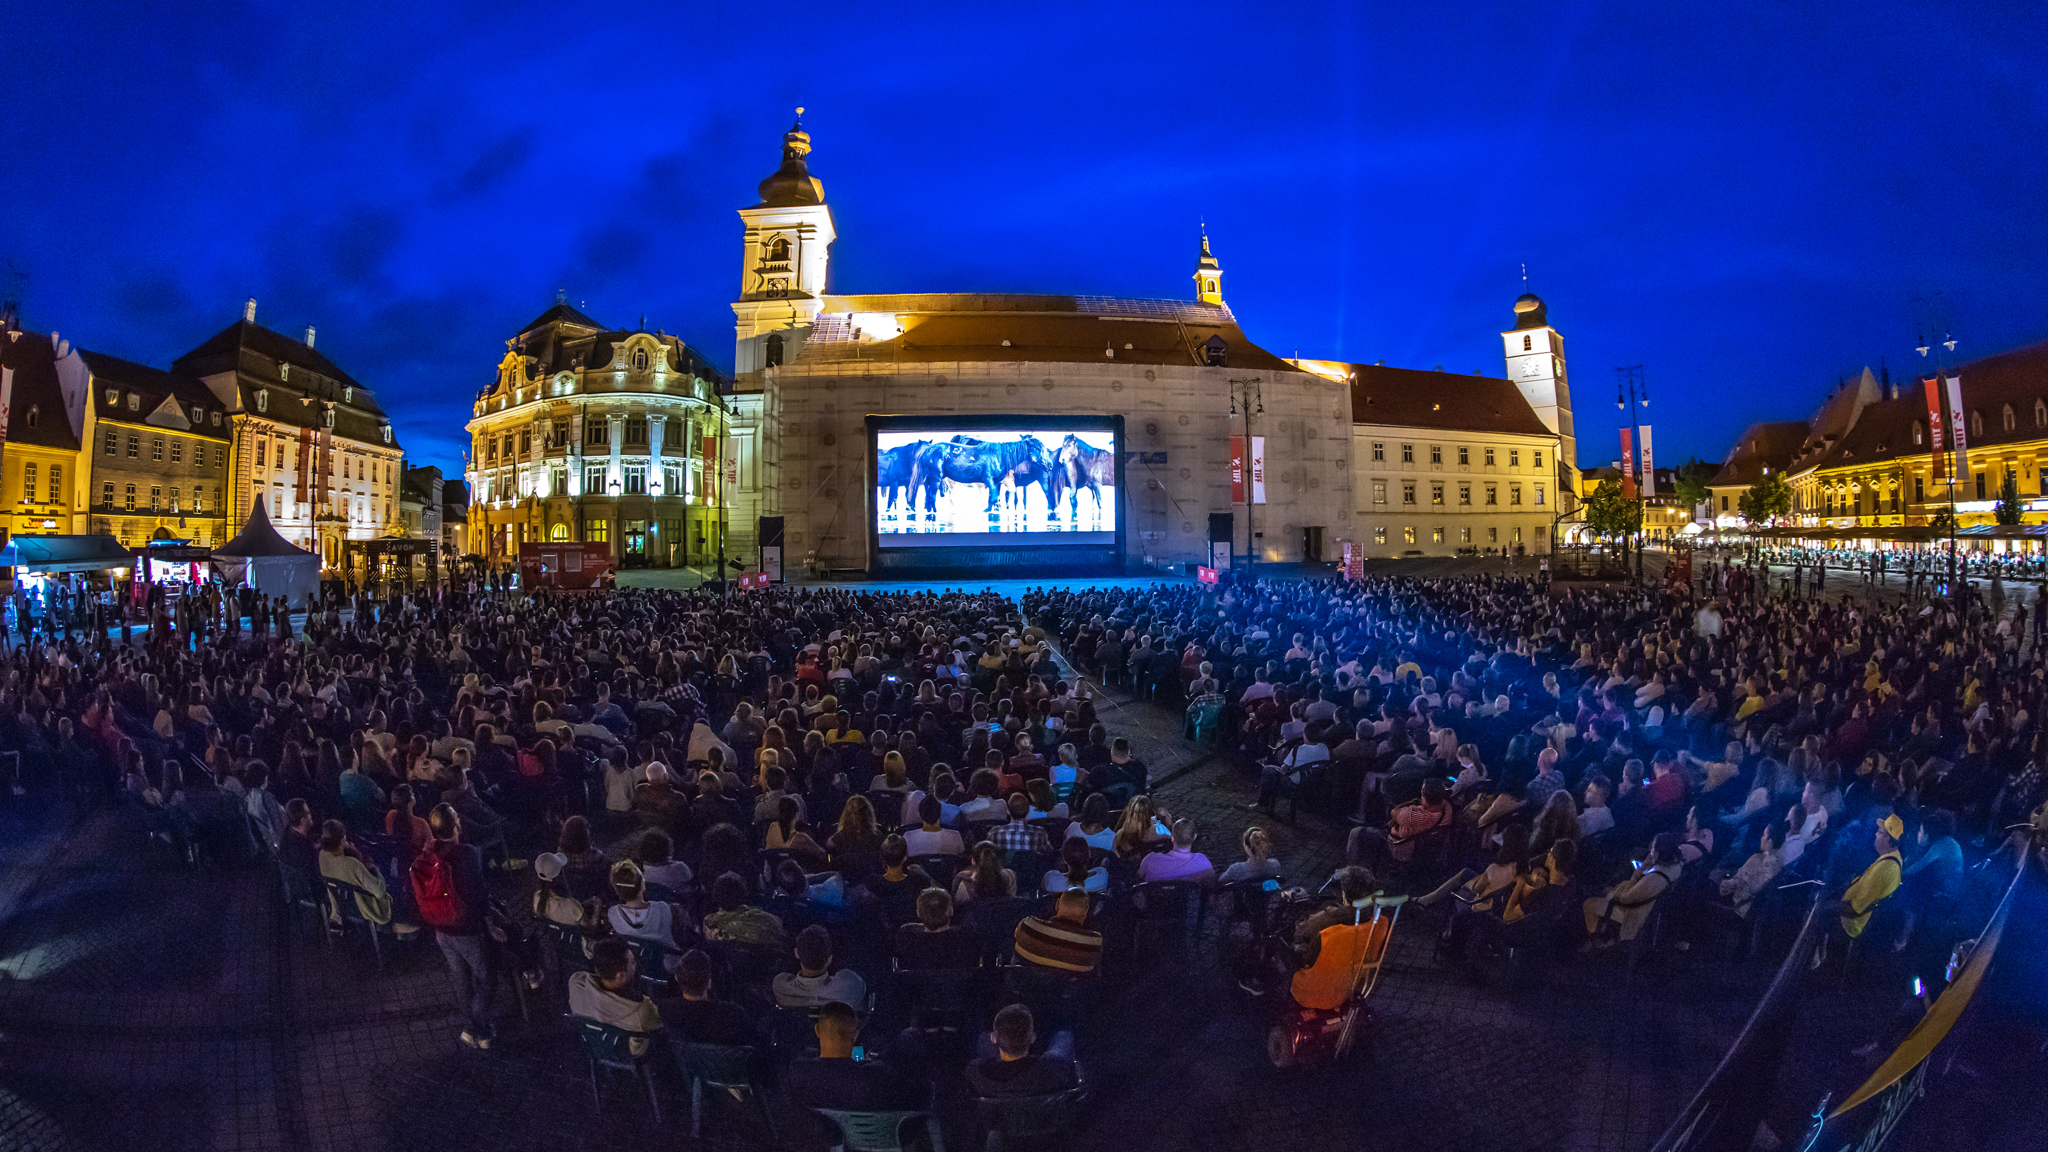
(1077, 466)
(895, 468)
(1006, 472)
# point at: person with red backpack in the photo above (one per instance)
(448, 884)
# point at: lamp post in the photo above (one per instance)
(1631, 395)
(1249, 390)
(1948, 447)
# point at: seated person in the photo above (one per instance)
(1472, 887)
(610, 992)
(1756, 873)
(1332, 946)
(1063, 943)
(930, 839)
(933, 941)
(635, 917)
(1291, 768)
(1074, 871)
(1094, 826)
(339, 860)
(658, 866)
(1532, 906)
(1008, 1067)
(1258, 862)
(738, 922)
(986, 880)
(897, 887)
(1597, 817)
(1618, 915)
(835, 1081)
(696, 1016)
(1376, 847)
(1017, 835)
(814, 981)
(1180, 862)
(299, 848)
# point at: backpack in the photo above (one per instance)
(433, 888)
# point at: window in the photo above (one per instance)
(111, 445)
(1539, 495)
(1489, 457)
(156, 497)
(134, 446)
(1408, 534)
(593, 479)
(2040, 416)
(1977, 427)
(113, 397)
(1464, 456)
(1436, 494)
(1919, 432)
(1980, 487)
(594, 432)
(597, 531)
(2008, 419)
(558, 481)
(262, 400)
(1407, 453)
(261, 445)
(174, 498)
(525, 442)
(1379, 451)
(1493, 535)
(1518, 534)
(636, 479)
(1436, 535)
(771, 352)
(1379, 535)
(1724, 503)
(1514, 457)
(1464, 535)
(1436, 453)
(1408, 493)
(107, 494)
(1492, 494)
(1465, 495)
(1536, 458)
(558, 532)
(672, 483)
(177, 451)
(198, 499)
(1919, 491)
(131, 497)
(639, 360)
(156, 448)
(348, 393)
(220, 456)
(509, 454)
(56, 483)
(28, 481)
(636, 430)
(1379, 491)
(1527, 345)
(1514, 495)
(778, 250)
(135, 401)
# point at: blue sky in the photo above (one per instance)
(1746, 199)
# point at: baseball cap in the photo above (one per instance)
(1893, 826)
(549, 865)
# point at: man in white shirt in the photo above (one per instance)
(1707, 622)
(932, 839)
(814, 982)
(1597, 817)
(1259, 690)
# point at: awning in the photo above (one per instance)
(65, 554)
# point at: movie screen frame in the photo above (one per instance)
(1074, 480)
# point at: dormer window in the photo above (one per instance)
(135, 401)
(1919, 434)
(639, 360)
(198, 414)
(263, 400)
(1977, 423)
(329, 417)
(348, 393)
(113, 397)
(284, 371)
(2006, 418)
(216, 419)
(34, 413)
(387, 433)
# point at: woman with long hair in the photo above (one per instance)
(986, 879)
(1094, 824)
(1074, 870)
(1141, 828)
(856, 845)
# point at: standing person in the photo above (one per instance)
(448, 884)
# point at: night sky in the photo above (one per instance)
(1745, 199)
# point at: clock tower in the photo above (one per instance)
(785, 254)
(1535, 361)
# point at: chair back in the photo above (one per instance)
(871, 1131)
(568, 944)
(343, 896)
(955, 994)
(653, 957)
(719, 1065)
(1028, 1119)
(301, 886)
(940, 867)
(794, 1031)
(1165, 900)
(994, 921)
(608, 1044)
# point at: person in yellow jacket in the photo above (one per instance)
(1878, 881)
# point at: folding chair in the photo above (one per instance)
(611, 1048)
(879, 1131)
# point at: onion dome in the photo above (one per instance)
(792, 185)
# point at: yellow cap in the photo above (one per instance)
(1893, 826)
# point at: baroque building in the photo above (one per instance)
(615, 436)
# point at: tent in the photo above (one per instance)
(267, 562)
(65, 554)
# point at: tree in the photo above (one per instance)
(1691, 482)
(2008, 508)
(1765, 501)
(1611, 516)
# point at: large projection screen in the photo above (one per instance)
(995, 482)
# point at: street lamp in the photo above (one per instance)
(1254, 397)
(1948, 446)
(1631, 394)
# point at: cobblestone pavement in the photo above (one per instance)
(147, 1007)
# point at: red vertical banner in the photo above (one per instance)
(1937, 441)
(711, 492)
(1956, 428)
(1237, 469)
(1628, 465)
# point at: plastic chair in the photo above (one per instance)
(1030, 1121)
(879, 1131)
(1165, 902)
(611, 1048)
(729, 1069)
(940, 867)
(341, 895)
(567, 942)
(302, 890)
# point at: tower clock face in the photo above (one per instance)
(1532, 368)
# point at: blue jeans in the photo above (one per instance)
(469, 970)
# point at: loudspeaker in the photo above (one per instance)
(1222, 526)
(771, 530)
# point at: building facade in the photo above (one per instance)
(157, 446)
(306, 436)
(602, 435)
(42, 485)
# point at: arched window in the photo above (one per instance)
(35, 413)
(2006, 418)
(1976, 423)
(778, 250)
(2040, 414)
(1919, 434)
(639, 360)
(1527, 344)
(772, 352)
(559, 532)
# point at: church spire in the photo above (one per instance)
(1208, 274)
(792, 185)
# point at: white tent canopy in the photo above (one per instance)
(267, 562)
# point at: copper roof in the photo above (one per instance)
(1016, 328)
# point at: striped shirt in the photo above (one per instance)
(1057, 945)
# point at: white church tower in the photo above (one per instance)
(1535, 362)
(784, 256)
